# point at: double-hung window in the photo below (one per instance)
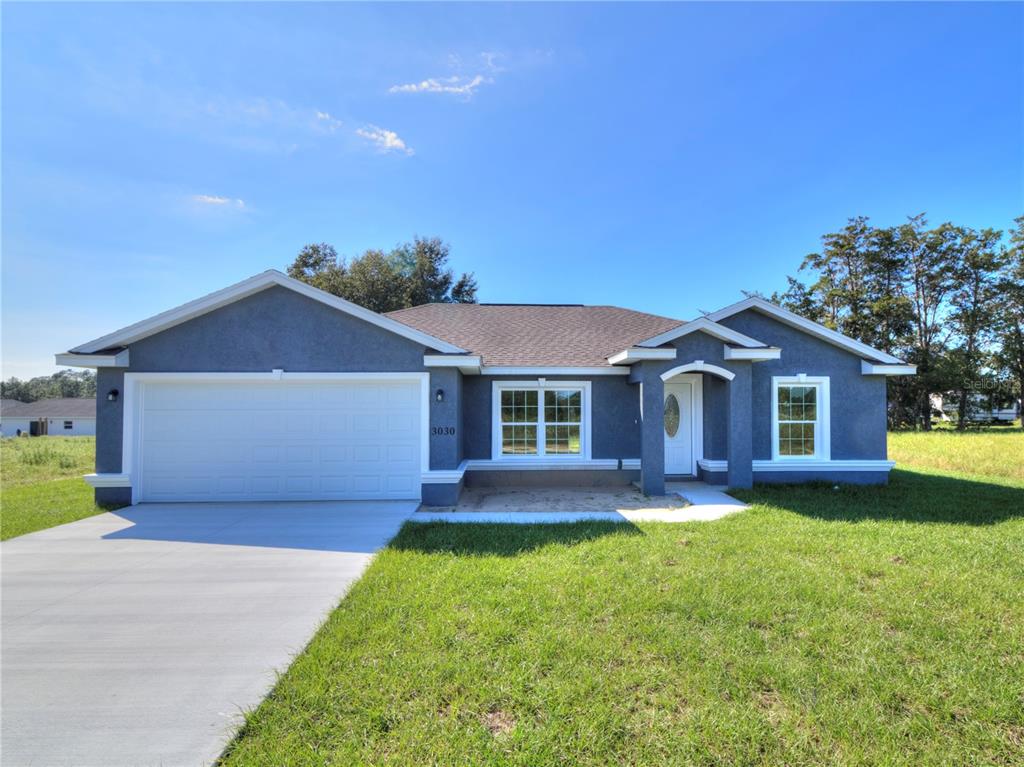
(534, 420)
(800, 418)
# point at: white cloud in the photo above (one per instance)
(326, 121)
(218, 201)
(384, 140)
(459, 86)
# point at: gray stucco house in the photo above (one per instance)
(273, 390)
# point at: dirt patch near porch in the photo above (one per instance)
(588, 499)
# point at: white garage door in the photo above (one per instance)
(242, 441)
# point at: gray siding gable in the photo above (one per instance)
(858, 401)
(276, 328)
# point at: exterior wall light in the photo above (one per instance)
(439, 395)
(112, 395)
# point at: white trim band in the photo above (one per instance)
(808, 465)
(108, 480)
(635, 354)
(754, 355)
(874, 369)
(67, 359)
(501, 370)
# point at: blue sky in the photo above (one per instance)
(660, 157)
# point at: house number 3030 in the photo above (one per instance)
(446, 431)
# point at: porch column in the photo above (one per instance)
(652, 432)
(740, 440)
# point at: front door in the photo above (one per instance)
(679, 428)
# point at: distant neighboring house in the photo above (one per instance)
(979, 411)
(70, 417)
(273, 390)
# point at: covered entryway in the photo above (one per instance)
(304, 438)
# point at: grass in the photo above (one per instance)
(993, 452)
(41, 483)
(858, 627)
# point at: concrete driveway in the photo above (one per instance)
(138, 637)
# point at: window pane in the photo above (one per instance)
(519, 440)
(562, 440)
(518, 406)
(563, 406)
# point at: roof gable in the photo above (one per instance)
(802, 323)
(243, 289)
(704, 325)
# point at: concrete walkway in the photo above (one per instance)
(707, 502)
(138, 637)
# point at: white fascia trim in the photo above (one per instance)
(467, 363)
(846, 465)
(873, 369)
(754, 355)
(698, 366)
(635, 354)
(705, 325)
(66, 359)
(802, 323)
(499, 370)
(246, 288)
(108, 480)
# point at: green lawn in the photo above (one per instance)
(996, 451)
(41, 482)
(862, 626)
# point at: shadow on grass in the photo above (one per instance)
(910, 496)
(507, 540)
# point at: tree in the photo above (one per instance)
(372, 282)
(1010, 315)
(409, 275)
(64, 383)
(318, 265)
(973, 312)
(949, 299)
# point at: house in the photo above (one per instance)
(981, 408)
(68, 417)
(271, 389)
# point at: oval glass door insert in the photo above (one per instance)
(671, 415)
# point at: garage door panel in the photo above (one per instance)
(280, 441)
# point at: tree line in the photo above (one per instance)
(64, 383)
(948, 298)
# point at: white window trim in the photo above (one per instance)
(540, 385)
(823, 426)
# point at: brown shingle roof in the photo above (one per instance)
(70, 407)
(536, 335)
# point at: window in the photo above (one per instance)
(800, 418)
(68, 424)
(549, 419)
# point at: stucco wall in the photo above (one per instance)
(615, 414)
(277, 328)
(858, 402)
